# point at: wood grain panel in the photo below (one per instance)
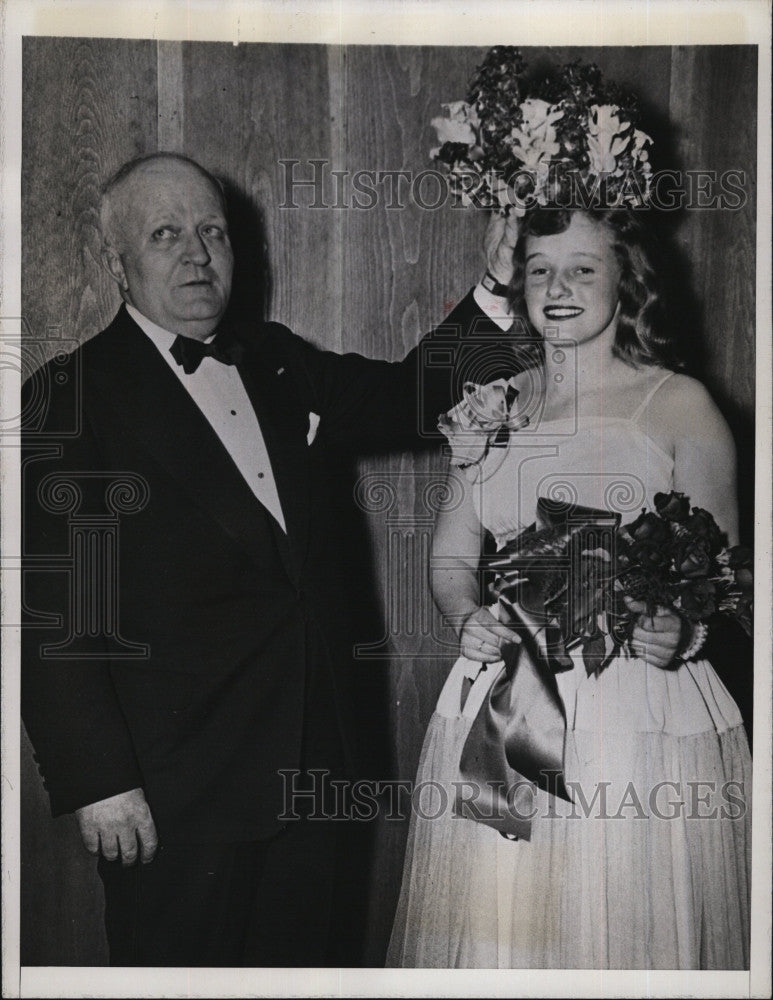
(248, 108)
(88, 105)
(171, 97)
(405, 263)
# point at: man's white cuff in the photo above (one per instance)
(494, 306)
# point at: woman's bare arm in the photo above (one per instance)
(703, 449)
(456, 550)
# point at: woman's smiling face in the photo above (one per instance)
(571, 280)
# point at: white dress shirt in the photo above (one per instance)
(219, 393)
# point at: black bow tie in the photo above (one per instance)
(190, 353)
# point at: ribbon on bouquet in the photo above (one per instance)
(516, 742)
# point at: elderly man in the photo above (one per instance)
(228, 574)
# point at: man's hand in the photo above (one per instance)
(483, 636)
(117, 824)
(498, 244)
(655, 638)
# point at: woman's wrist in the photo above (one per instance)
(460, 619)
(692, 642)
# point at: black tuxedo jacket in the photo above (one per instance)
(240, 621)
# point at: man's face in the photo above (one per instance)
(172, 255)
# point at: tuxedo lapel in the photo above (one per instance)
(283, 420)
(160, 417)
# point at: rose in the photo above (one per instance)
(741, 556)
(745, 580)
(738, 567)
(697, 598)
(703, 525)
(648, 554)
(693, 558)
(648, 527)
(737, 557)
(672, 506)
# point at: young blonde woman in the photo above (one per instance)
(648, 867)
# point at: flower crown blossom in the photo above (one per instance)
(509, 149)
(534, 142)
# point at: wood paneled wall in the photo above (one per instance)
(349, 279)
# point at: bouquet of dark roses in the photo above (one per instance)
(514, 143)
(574, 568)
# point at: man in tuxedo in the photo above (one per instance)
(209, 662)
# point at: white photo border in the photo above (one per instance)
(521, 22)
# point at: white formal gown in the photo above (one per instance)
(589, 891)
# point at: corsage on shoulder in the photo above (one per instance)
(483, 419)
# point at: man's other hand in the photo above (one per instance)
(120, 826)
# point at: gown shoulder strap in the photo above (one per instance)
(636, 415)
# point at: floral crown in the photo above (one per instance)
(569, 140)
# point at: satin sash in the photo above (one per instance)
(516, 743)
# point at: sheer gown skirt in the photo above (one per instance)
(648, 868)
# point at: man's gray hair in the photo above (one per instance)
(124, 172)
